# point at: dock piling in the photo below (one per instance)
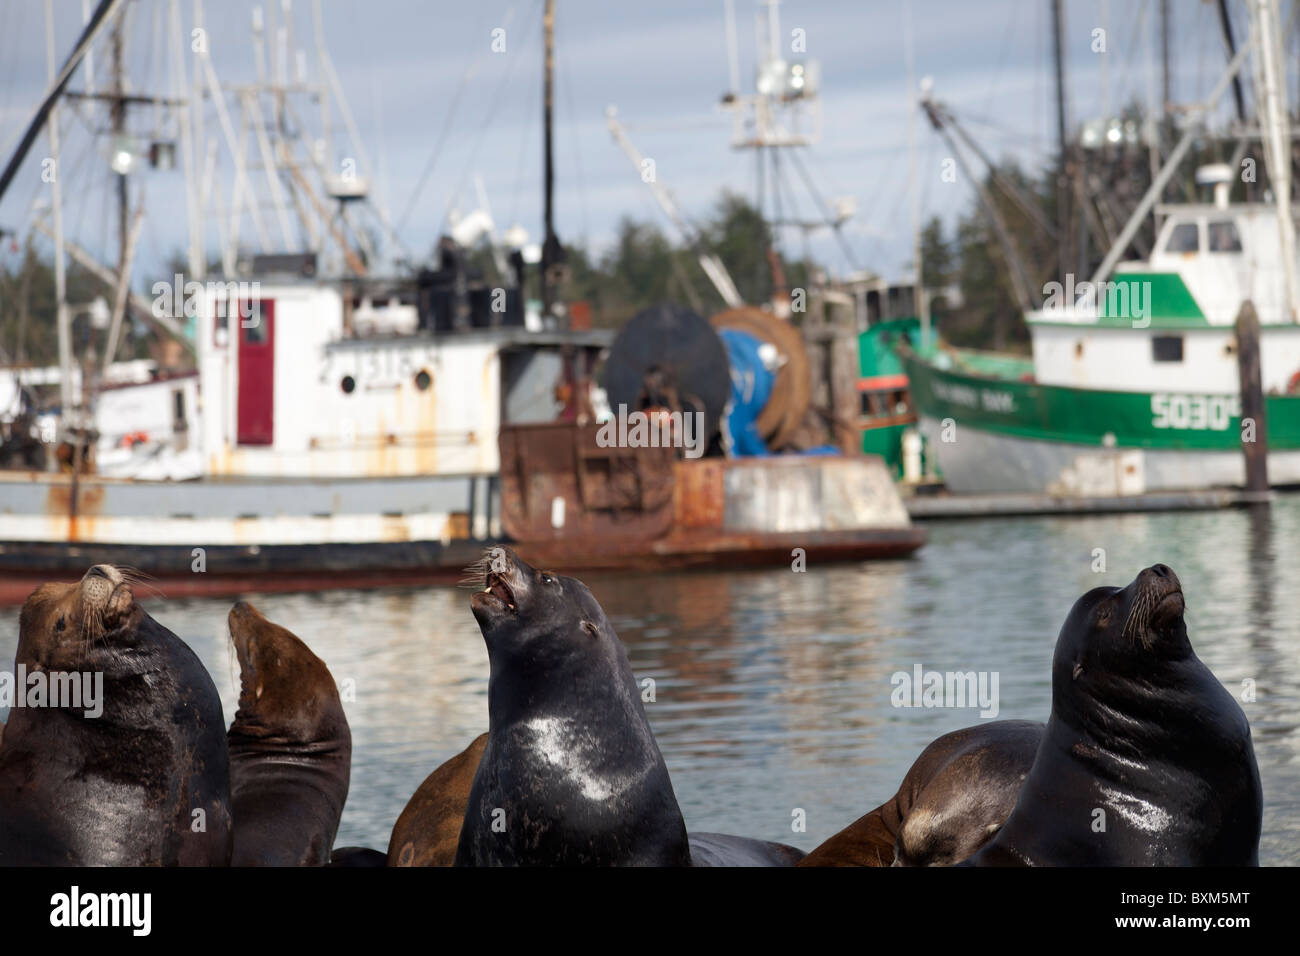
(1254, 441)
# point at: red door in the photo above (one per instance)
(256, 409)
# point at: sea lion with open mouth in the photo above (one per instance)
(571, 774)
(951, 802)
(290, 748)
(1147, 760)
(147, 781)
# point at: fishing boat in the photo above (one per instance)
(1133, 383)
(312, 421)
(321, 425)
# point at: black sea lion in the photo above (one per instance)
(722, 849)
(1147, 759)
(951, 802)
(290, 748)
(428, 831)
(571, 774)
(357, 858)
(147, 782)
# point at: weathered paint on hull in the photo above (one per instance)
(683, 551)
(985, 462)
(280, 535)
(169, 571)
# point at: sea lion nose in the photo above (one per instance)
(105, 571)
(501, 560)
(1165, 575)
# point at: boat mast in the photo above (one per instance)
(1277, 141)
(1062, 179)
(63, 323)
(118, 117)
(552, 254)
(914, 108)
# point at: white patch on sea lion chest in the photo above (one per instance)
(553, 740)
(1141, 814)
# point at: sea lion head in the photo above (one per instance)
(1116, 641)
(546, 618)
(61, 624)
(285, 690)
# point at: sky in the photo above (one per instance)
(428, 91)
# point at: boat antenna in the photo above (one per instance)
(552, 251)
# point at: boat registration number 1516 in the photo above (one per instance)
(1194, 412)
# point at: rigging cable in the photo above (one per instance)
(445, 133)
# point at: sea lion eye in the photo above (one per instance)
(1103, 617)
(59, 625)
(547, 579)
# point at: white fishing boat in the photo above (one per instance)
(1133, 383)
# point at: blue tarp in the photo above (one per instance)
(751, 386)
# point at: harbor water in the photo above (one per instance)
(772, 689)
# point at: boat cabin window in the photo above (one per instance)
(1167, 348)
(1224, 237)
(1184, 238)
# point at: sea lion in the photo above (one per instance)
(722, 849)
(1146, 760)
(290, 747)
(571, 774)
(428, 830)
(357, 858)
(951, 802)
(147, 782)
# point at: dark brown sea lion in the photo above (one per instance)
(951, 802)
(428, 830)
(1147, 760)
(147, 781)
(290, 748)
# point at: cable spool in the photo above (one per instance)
(792, 390)
(669, 356)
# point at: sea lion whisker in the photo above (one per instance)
(133, 575)
(1138, 616)
(476, 572)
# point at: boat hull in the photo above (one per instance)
(988, 435)
(222, 537)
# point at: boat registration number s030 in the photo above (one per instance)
(1185, 412)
